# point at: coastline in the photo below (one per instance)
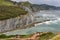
(26, 26)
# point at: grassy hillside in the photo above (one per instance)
(3, 2)
(46, 36)
(7, 10)
(57, 37)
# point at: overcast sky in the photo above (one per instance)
(50, 2)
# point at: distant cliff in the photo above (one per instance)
(45, 7)
(38, 7)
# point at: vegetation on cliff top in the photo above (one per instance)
(27, 4)
(8, 10)
(5, 2)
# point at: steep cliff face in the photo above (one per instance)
(13, 17)
(14, 23)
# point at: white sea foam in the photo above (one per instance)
(49, 22)
(38, 24)
(52, 22)
(59, 19)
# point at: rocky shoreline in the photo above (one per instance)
(26, 26)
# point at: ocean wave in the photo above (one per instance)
(49, 22)
(38, 24)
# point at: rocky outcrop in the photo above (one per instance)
(14, 16)
(14, 23)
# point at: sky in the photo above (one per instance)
(49, 2)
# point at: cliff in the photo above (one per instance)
(14, 23)
(12, 16)
(45, 7)
(38, 7)
(16, 16)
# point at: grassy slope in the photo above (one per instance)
(57, 37)
(10, 12)
(46, 36)
(7, 10)
(3, 2)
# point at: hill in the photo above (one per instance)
(35, 36)
(27, 4)
(5, 2)
(46, 36)
(45, 7)
(57, 37)
(8, 10)
(38, 7)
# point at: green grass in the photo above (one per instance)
(2, 36)
(46, 36)
(25, 36)
(3, 2)
(7, 12)
(25, 3)
(57, 37)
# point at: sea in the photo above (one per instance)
(49, 26)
